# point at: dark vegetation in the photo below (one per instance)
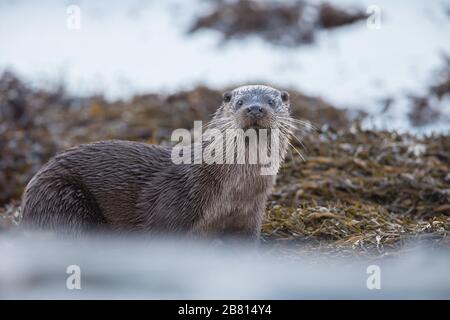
(358, 192)
(428, 107)
(280, 23)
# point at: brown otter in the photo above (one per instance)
(130, 186)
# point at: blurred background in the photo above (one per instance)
(327, 49)
(372, 76)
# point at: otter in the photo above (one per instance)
(125, 186)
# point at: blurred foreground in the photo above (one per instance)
(36, 267)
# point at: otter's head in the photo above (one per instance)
(255, 106)
(250, 112)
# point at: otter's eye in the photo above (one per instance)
(271, 102)
(240, 103)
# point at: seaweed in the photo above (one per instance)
(428, 108)
(280, 23)
(363, 191)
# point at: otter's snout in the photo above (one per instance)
(256, 112)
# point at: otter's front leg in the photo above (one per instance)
(245, 225)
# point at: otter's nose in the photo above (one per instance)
(256, 111)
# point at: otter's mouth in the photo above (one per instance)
(255, 117)
(257, 125)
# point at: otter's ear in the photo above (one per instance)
(227, 96)
(284, 96)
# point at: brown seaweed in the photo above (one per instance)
(280, 23)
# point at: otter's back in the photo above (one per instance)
(110, 173)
